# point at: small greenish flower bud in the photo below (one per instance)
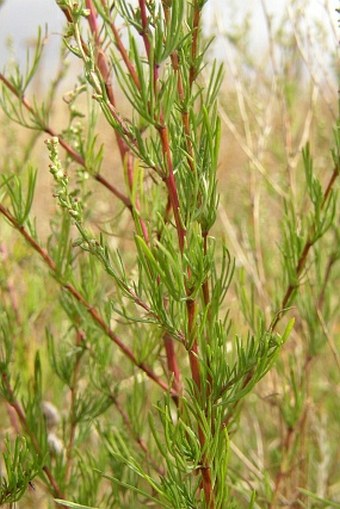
(74, 213)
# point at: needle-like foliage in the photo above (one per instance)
(145, 358)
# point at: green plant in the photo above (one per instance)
(151, 365)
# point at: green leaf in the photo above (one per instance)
(288, 330)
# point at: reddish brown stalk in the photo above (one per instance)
(103, 66)
(185, 114)
(181, 95)
(196, 376)
(13, 417)
(124, 199)
(145, 33)
(129, 426)
(124, 54)
(10, 87)
(94, 313)
(193, 351)
(92, 19)
(104, 69)
(194, 45)
(292, 287)
(303, 257)
(172, 363)
(57, 492)
(123, 126)
(168, 341)
(191, 306)
(145, 27)
(330, 184)
(171, 184)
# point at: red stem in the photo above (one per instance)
(145, 35)
(145, 27)
(168, 341)
(193, 351)
(125, 56)
(104, 69)
(194, 45)
(172, 362)
(171, 185)
(181, 95)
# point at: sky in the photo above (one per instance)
(19, 20)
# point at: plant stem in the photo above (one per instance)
(191, 307)
(125, 56)
(194, 44)
(145, 30)
(104, 68)
(172, 364)
(171, 184)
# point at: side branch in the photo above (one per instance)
(76, 156)
(303, 257)
(93, 312)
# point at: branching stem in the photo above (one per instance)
(303, 257)
(78, 158)
(93, 312)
